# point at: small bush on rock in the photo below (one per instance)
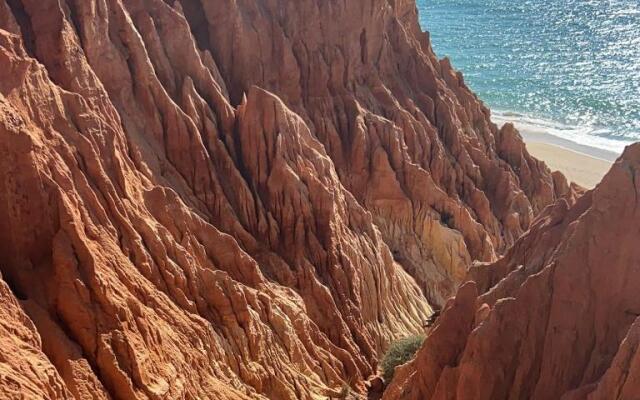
(400, 352)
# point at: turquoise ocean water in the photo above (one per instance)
(569, 66)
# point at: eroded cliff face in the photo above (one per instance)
(226, 199)
(407, 138)
(557, 318)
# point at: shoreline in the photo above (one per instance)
(582, 164)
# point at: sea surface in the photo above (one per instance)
(571, 67)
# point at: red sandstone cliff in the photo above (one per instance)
(557, 318)
(218, 199)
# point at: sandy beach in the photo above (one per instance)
(580, 168)
(584, 165)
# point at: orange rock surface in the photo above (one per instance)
(557, 318)
(236, 199)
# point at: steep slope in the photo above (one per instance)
(226, 199)
(408, 138)
(25, 371)
(557, 317)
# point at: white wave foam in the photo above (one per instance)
(585, 139)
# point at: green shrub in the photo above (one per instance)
(399, 353)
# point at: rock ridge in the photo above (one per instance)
(237, 199)
(555, 318)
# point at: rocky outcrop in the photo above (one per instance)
(556, 318)
(407, 137)
(217, 199)
(25, 371)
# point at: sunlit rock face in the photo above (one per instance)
(236, 199)
(556, 318)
